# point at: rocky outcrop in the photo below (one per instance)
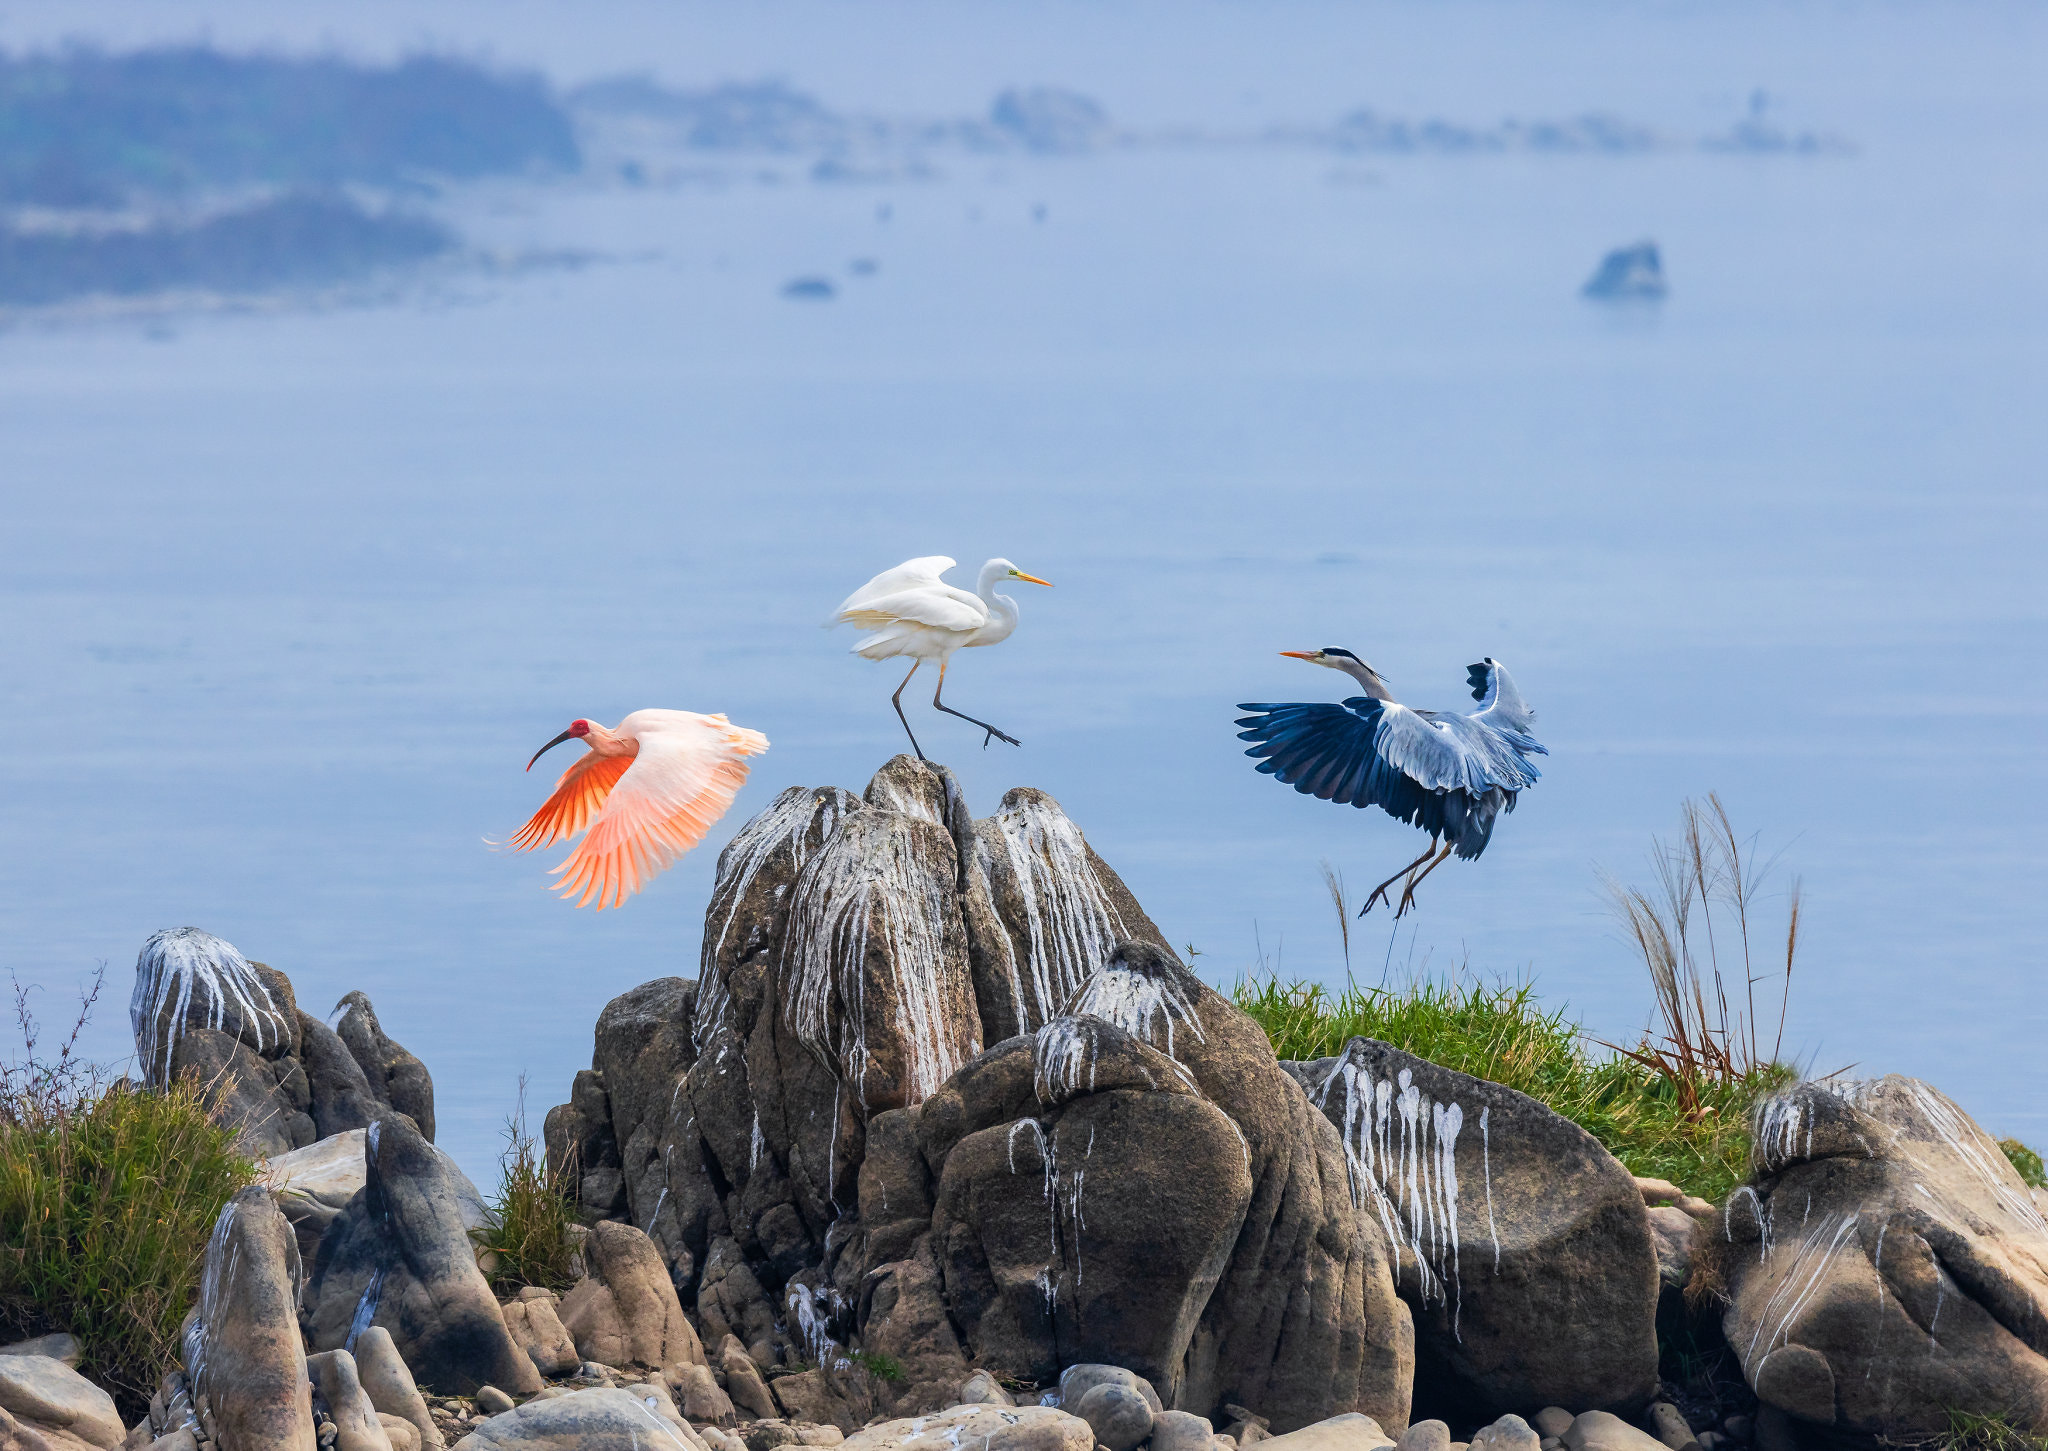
(607, 1419)
(244, 1360)
(400, 1256)
(314, 1184)
(1523, 1246)
(1192, 1218)
(1887, 1266)
(987, 1428)
(205, 1014)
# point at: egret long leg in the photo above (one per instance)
(1408, 892)
(897, 701)
(1379, 893)
(992, 731)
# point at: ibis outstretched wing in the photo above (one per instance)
(686, 774)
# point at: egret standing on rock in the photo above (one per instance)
(1451, 775)
(912, 612)
(647, 791)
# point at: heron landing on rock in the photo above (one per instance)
(1452, 775)
(912, 612)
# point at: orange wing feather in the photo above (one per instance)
(575, 802)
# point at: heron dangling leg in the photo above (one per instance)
(1379, 893)
(941, 705)
(897, 701)
(1408, 892)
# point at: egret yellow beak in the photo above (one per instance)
(1031, 578)
(1301, 654)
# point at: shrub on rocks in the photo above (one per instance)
(105, 1188)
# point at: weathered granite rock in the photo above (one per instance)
(341, 1096)
(395, 1078)
(50, 1396)
(202, 1012)
(1117, 1414)
(1430, 1435)
(983, 1389)
(902, 1314)
(385, 1376)
(58, 1345)
(1672, 1233)
(1887, 1266)
(537, 1329)
(625, 1312)
(403, 1434)
(1181, 1431)
(1267, 1287)
(702, 1397)
(1524, 1247)
(314, 1184)
(348, 1404)
(242, 1350)
(987, 1428)
(1605, 1431)
(1508, 1433)
(1348, 1432)
(606, 1419)
(400, 1256)
(744, 1384)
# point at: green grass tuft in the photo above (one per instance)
(108, 1193)
(1972, 1431)
(881, 1367)
(527, 1240)
(1500, 1033)
(2026, 1162)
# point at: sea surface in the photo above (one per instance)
(290, 594)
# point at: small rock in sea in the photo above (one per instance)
(1425, 1436)
(1628, 272)
(1117, 1414)
(1551, 1421)
(492, 1401)
(810, 289)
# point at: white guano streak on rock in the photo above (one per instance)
(787, 820)
(1406, 1146)
(851, 893)
(1070, 924)
(1145, 1007)
(1797, 1283)
(1969, 1143)
(173, 964)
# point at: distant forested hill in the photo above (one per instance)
(85, 128)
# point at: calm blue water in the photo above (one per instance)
(290, 597)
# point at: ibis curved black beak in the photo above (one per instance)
(565, 735)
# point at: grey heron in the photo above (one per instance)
(1450, 774)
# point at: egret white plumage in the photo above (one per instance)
(647, 790)
(912, 612)
(1452, 775)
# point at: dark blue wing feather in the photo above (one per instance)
(1331, 752)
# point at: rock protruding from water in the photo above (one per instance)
(396, 1079)
(400, 1256)
(1524, 1248)
(243, 1356)
(1887, 1268)
(1628, 272)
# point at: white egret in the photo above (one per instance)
(911, 612)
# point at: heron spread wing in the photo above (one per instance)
(688, 770)
(1500, 704)
(1367, 752)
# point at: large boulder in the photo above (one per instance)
(314, 1184)
(1887, 1267)
(986, 1428)
(625, 1311)
(57, 1401)
(606, 1419)
(1523, 1246)
(1189, 1217)
(243, 1356)
(203, 1013)
(400, 1256)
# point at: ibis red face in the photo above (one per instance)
(577, 730)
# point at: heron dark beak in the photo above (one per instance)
(1299, 654)
(565, 735)
(1033, 579)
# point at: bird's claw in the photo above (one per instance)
(996, 735)
(1379, 895)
